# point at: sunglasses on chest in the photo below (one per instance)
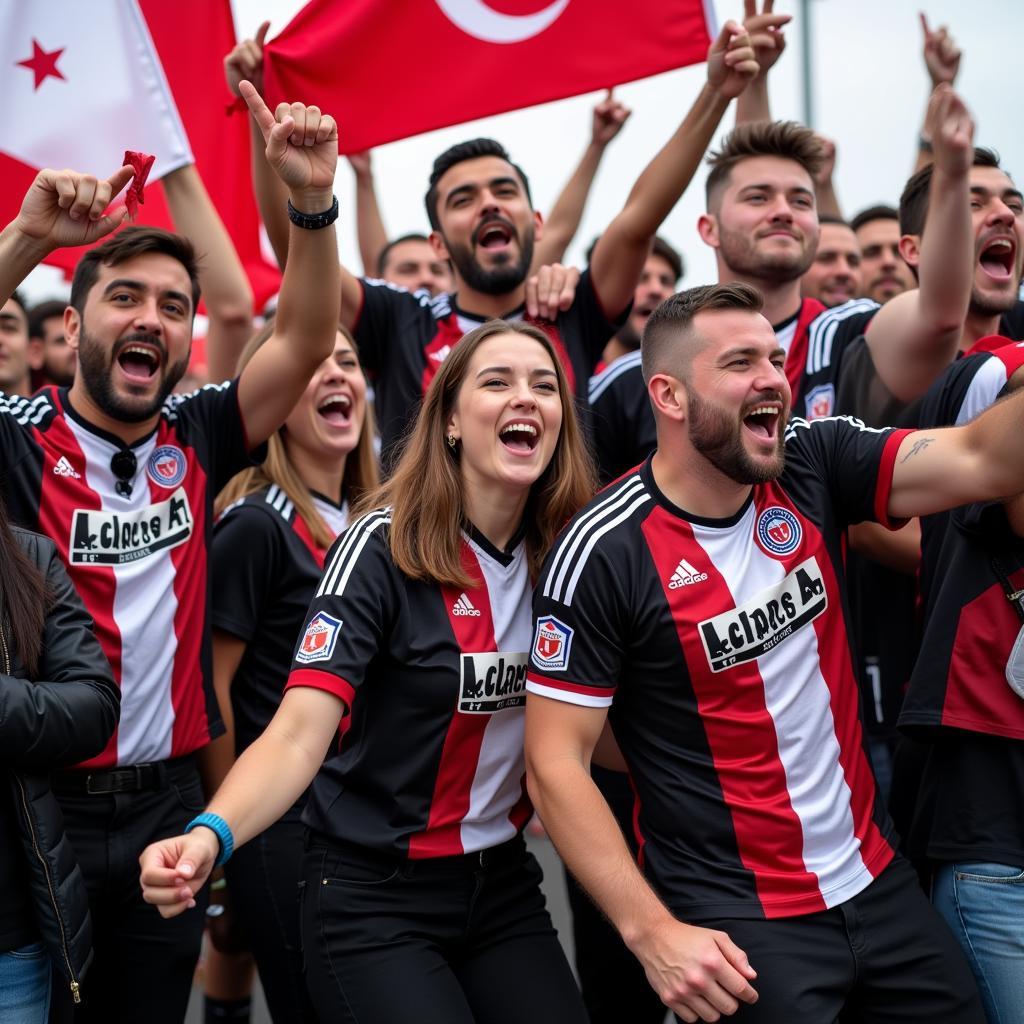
(123, 465)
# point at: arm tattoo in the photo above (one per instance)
(919, 446)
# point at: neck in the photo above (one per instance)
(495, 513)
(977, 325)
(22, 388)
(781, 301)
(484, 305)
(82, 402)
(693, 484)
(324, 476)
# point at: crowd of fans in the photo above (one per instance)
(724, 583)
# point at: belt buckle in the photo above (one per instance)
(118, 780)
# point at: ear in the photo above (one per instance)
(707, 228)
(910, 249)
(668, 396)
(72, 327)
(538, 226)
(452, 426)
(436, 240)
(36, 356)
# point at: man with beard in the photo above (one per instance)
(122, 476)
(53, 359)
(834, 276)
(883, 271)
(696, 607)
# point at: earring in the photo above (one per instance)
(452, 441)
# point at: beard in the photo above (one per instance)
(740, 255)
(500, 279)
(95, 365)
(718, 437)
(993, 305)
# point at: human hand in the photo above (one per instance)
(550, 290)
(698, 973)
(67, 208)
(302, 147)
(732, 65)
(174, 870)
(245, 62)
(765, 31)
(608, 118)
(951, 128)
(362, 163)
(828, 161)
(941, 55)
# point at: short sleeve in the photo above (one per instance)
(576, 652)
(587, 320)
(855, 461)
(969, 386)
(351, 613)
(246, 563)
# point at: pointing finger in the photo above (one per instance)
(258, 109)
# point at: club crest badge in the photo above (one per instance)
(319, 639)
(779, 531)
(820, 402)
(551, 645)
(167, 466)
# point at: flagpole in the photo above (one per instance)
(807, 70)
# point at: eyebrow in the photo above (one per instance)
(1007, 193)
(749, 350)
(10, 318)
(138, 286)
(768, 187)
(471, 187)
(539, 372)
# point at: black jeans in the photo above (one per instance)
(263, 880)
(453, 940)
(143, 965)
(883, 957)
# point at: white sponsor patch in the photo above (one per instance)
(551, 644)
(492, 681)
(319, 639)
(762, 623)
(116, 538)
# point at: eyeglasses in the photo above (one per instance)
(123, 465)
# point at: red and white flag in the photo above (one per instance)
(390, 70)
(84, 81)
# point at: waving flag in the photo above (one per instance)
(390, 70)
(83, 82)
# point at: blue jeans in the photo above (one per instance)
(25, 985)
(984, 905)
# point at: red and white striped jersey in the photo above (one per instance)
(139, 561)
(721, 648)
(435, 678)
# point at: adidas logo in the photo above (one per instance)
(465, 607)
(684, 575)
(64, 468)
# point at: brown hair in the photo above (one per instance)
(914, 200)
(360, 475)
(24, 598)
(426, 489)
(785, 139)
(673, 319)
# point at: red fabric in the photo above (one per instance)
(356, 59)
(142, 164)
(191, 38)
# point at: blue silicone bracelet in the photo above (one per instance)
(220, 828)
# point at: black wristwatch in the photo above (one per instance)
(313, 221)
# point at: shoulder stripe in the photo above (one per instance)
(174, 402)
(575, 547)
(600, 383)
(26, 410)
(983, 390)
(822, 331)
(337, 573)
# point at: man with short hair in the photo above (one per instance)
(53, 359)
(411, 263)
(883, 271)
(122, 475)
(696, 606)
(15, 369)
(834, 276)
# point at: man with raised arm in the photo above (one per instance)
(696, 605)
(122, 476)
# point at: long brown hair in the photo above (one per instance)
(360, 474)
(425, 491)
(24, 598)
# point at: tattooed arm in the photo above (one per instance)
(982, 461)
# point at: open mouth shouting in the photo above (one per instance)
(336, 409)
(763, 422)
(999, 258)
(520, 437)
(140, 362)
(494, 235)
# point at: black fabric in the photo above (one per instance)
(403, 338)
(436, 941)
(624, 432)
(17, 923)
(1011, 323)
(66, 713)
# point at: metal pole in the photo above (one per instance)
(806, 34)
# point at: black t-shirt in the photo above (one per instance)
(720, 647)
(403, 338)
(266, 566)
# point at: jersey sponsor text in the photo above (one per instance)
(99, 537)
(492, 681)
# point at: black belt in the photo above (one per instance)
(128, 778)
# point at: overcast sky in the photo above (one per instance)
(870, 88)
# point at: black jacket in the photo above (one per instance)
(65, 715)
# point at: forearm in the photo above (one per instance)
(18, 256)
(567, 212)
(827, 200)
(946, 266)
(370, 230)
(752, 104)
(271, 195)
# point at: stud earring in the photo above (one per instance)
(452, 441)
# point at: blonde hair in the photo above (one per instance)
(360, 475)
(426, 489)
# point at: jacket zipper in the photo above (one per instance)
(75, 990)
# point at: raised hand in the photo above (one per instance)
(551, 290)
(245, 62)
(609, 117)
(765, 31)
(67, 208)
(941, 55)
(828, 160)
(174, 870)
(732, 65)
(362, 163)
(302, 143)
(952, 130)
